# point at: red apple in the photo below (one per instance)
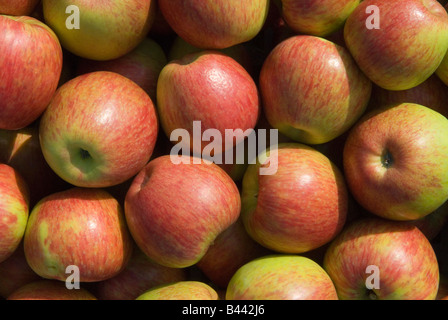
(30, 67)
(281, 277)
(395, 161)
(300, 207)
(399, 44)
(312, 90)
(403, 265)
(50, 290)
(14, 210)
(176, 211)
(78, 227)
(215, 24)
(99, 130)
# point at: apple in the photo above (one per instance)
(281, 277)
(432, 93)
(140, 274)
(15, 273)
(209, 87)
(30, 68)
(182, 290)
(432, 224)
(442, 70)
(14, 210)
(312, 90)
(215, 24)
(19, 148)
(231, 250)
(142, 65)
(81, 227)
(99, 130)
(375, 258)
(50, 290)
(301, 207)
(175, 211)
(105, 31)
(318, 18)
(18, 7)
(395, 161)
(401, 43)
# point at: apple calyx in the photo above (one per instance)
(386, 159)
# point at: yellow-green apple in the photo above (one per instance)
(21, 148)
(15, 273)
(100, 31)
(376, 258)
(140, 274)
(18, 7)
(395, 161)
(383, 37)
(99, 130)
(212, 88)
(312, 90)
(14, 210)
(81, 227)
(281, 277)
(176, 231)
(317, 17)
(432, 93)
(215, 24)
(442, 69)
(142, 65)
(182, 290)
(299, 208)
(432, 224)
(50, 290)
(231, 250)
(30, 68)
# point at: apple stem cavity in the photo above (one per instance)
(387, 159)
(84, 154)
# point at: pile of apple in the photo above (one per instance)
(103, 191)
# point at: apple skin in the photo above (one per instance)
(14, 210)
(106, 31)
(395, 161)
(317, 17)
(299, 208)
(408, 47)
(30, 64)
(312, 90)
(442, 70)
(215, 24)
(210, 87)
(18, 7)
(75, 134)
(49, 290)
(281, 277)
(142, 65)
(82, 227)
(176, 231)
(408, 267)
(140, 274)
(182, 290)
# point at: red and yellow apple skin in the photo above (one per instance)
(318, 18)
(176, 231)
(442, 70)
(50, 290)
(215, 24)
(210, 87)
(107, 30)
(389, 55)
(406, 262)
(78, 227)
(299, 208)
(14, 210)
(30, 68)
(182, 290)
(395, 161)
(18, 7)
(312, 90)
(281, 277)
(99, 130)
